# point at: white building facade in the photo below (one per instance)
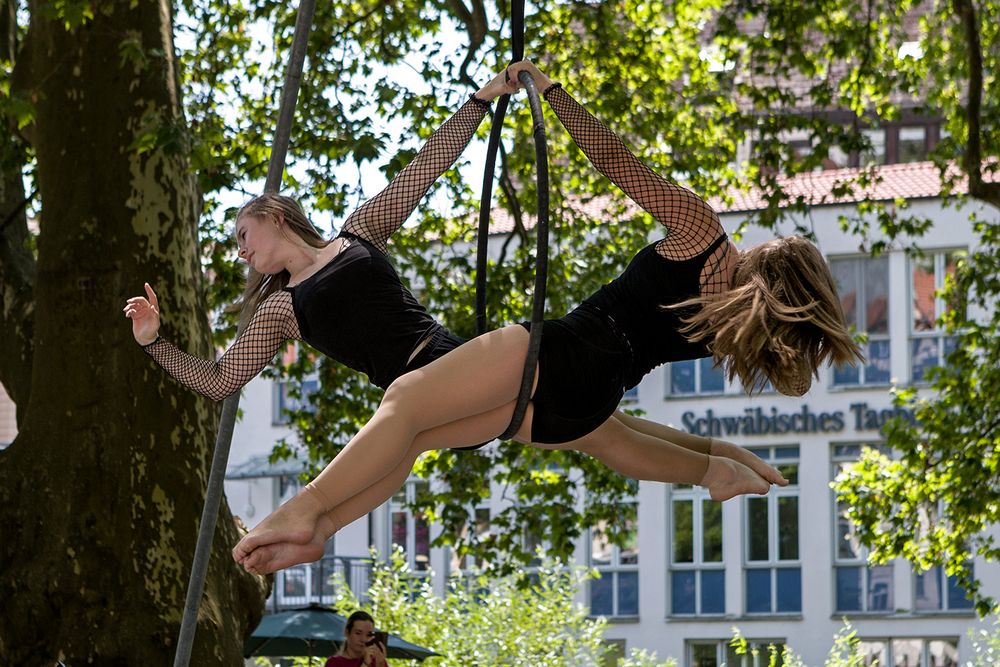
(784, 568)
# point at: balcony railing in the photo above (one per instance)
(315, 582)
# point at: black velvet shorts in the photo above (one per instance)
(441, 343)
(581, 372)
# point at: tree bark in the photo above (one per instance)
(101, 492)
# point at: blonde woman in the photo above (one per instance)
(767, 314)
(346, 299)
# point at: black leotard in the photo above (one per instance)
(634, 302)
(604, 347)
(590, 357)
(355, 309)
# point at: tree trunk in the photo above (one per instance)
(102, 489)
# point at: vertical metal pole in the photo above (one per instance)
(213, 495)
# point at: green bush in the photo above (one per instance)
(515, 620)
(532, 619)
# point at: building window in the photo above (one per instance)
(292, 396)
(929, 347)
(933, 590)
(695, 376)
(614, 652)
(913, 144)
(773, 571)
(863, 284)
(876, 153)
(479, 525)
(616, 593)
(411, 530)
(631, 394)
(697, 572)
(719, 653)
(910, 652)
(858, 586)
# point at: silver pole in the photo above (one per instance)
(213, 495)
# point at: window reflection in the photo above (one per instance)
(913, 143)
(873, 653)
(863, 285)
(906, 652)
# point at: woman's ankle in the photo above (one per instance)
(714, 470)
(328, 524)
(316, 502)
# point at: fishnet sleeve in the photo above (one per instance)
(381, 216)
(691, 223)
(272, 324)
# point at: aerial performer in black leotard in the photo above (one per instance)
(346, 299)
(769, 313)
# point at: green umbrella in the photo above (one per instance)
(314, 631)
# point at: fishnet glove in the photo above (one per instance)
(272, 324)
(379, 218)
(691, 223)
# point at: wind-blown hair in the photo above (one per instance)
(288, 214)
(779, 321)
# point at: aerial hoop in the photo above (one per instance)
(542, 229)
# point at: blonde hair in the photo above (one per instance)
(779, 321)
(288, 214)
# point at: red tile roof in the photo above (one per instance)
(913, 180)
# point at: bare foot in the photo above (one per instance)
(273, 557)
(749, 459)
(279, 555)
(294, 522)
(726, 479)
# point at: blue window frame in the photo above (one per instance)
(863, 285)
(773, 571)
(695, 376)
(697, 571)
(929, 346)
(858, 587)
(616, 592)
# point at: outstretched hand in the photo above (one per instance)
(145, 315)
(749, 459)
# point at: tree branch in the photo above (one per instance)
(989, 192)
(16, 212)
(475, 25)
(510, 192)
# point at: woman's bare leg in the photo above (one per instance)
(279, 555)
(647, 452)
(645, 457)
(480, 376)
(703, 445)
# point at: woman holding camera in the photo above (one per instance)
(362, 646)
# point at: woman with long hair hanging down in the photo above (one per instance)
(345, 298)
(768, 314)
